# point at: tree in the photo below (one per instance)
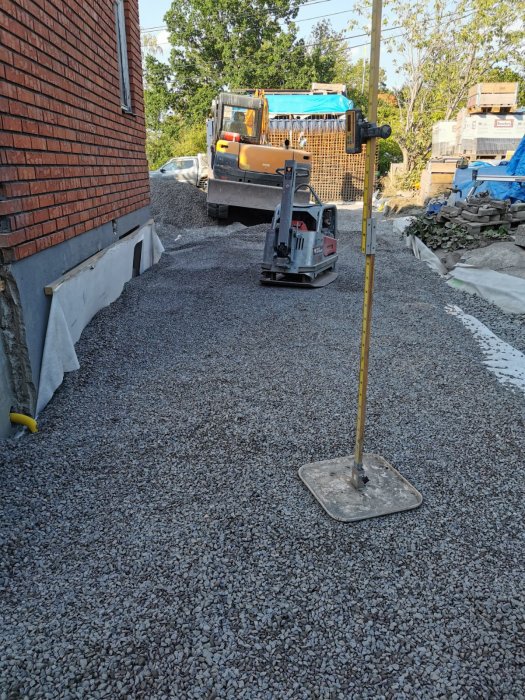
(443, 50)
(159, 99)
(327, 52)
(232, 44)
(149, 46)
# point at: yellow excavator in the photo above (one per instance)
(243, 166)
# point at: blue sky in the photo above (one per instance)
(152, 15)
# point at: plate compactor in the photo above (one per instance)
(301, 246)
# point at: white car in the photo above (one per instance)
(191, 169)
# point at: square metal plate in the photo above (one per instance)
(385, 492)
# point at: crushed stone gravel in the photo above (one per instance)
(178, 204)
(156, 539)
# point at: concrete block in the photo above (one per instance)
(470, 216)
(450, 211)
(519, 239)
(487, 211)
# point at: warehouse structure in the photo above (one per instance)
(74, 177)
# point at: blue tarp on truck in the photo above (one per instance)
(308, 104)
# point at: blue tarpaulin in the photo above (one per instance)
(499, 190)
(308, 104)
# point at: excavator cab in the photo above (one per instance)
(243, 163)
(239, 118)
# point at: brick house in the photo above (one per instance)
(73, 172)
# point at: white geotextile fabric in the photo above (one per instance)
(79, 297)
(506, 291)
(401, 223)
(502, 359)
(422, 252)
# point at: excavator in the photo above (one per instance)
(243, 166)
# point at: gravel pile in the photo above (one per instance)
(157, 542)
(178, 204)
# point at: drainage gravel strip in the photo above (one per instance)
(157, 542)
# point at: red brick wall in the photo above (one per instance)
(70, 159)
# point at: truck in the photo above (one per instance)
(243, 166)
(191, 169)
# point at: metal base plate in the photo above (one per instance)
(284, 280)
(385, 492)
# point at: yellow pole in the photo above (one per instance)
(368, 245)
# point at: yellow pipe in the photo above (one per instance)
(21, 419)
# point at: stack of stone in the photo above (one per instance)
(477, 213)
(517, 214)
(519, 235)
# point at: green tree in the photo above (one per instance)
(159, 99)
(443, 50)
(327, 53)
(232, 44)
(149, 46)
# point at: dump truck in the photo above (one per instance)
(243, 166)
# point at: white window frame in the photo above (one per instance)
(122, 52)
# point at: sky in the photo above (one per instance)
(152, 16)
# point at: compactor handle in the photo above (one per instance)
(305, 185)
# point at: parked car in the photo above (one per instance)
(192, 169)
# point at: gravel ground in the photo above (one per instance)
(157, 542)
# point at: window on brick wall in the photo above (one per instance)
(122, 46)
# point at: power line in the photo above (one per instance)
(305, 4)
(388, 29)
(304, 19)
(332, 14)
(357, 36)
(342, 38)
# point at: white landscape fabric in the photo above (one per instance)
(506, 291)
(502, 359)
(81, 295)
(420, 250)
(423, 252)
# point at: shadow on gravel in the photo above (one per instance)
(248, 217)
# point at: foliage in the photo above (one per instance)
(149, 46)
(191, 140)
(442, 51)
(453, 236)
(161, 143)
(158, 96)
(227, 44)
(389, 152)
(328, 55)
(174, 139)
(356, 78)
(389, 149)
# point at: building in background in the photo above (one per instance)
(74, 178)
(489, 128)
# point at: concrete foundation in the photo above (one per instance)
(25, 309)
(6, 392)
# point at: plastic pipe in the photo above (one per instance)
(21, 419)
